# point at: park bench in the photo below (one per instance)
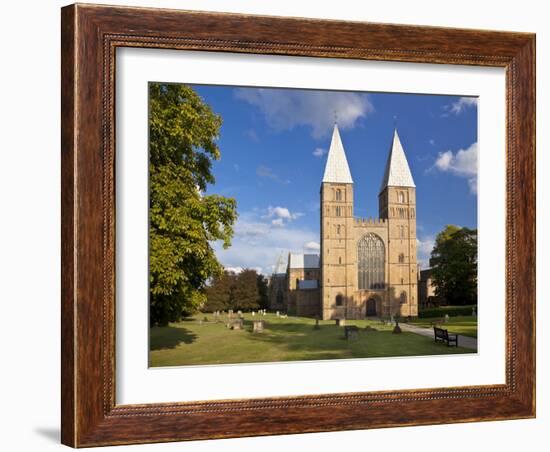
(351, 332)
(443, 335)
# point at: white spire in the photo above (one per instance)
(280, 266)
(398, 173)
(337, 169)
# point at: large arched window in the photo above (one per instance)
(338, 194)
(371, 262)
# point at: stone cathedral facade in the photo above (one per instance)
(366, 267)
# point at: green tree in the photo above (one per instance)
(184, 221)
(220, 293)
(454, 265)
(263, 300)
(246, 295)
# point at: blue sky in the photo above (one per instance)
(274, 142)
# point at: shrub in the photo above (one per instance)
(452, 311)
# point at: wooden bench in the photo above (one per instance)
(443, 335)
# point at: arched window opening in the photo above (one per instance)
(338, 195)
(338, 211)
(401, 197)
(371, 262)
(339, 300)
(403, 298)
(401, 258)
(338, 229)
(340, 260)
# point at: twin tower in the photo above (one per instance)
(368, 267)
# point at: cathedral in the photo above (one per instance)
(366, 267)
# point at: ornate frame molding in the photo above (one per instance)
(90, 37)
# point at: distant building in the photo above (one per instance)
(426, 289)
(367, 267)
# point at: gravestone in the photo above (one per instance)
(340, 322)
(446, 318)
(277, 314)
(258, 326)
(351, 332)
(236, 324)
(253, 313)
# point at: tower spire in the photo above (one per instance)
(398, 173)
(337, 169)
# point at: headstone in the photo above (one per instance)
(236, 324)
(340, 322)
(351, 332)
(446, 318)
(240, 312)
(277, 314)
(258, 326)
(253, 313)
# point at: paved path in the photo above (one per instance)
(463, 341)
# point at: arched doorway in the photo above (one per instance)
(371, 307)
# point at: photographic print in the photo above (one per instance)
(295, 225)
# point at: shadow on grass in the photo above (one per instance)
(167, 337)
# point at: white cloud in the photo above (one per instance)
(285, 109)
(319, 152)
(235, 270)
(312, 246)
(238, 270)
(462, 163)
(267, 173)
(280, 216)
(459, 106)
(252, 135)
(279, 212)
(258, 244)
(424, 247)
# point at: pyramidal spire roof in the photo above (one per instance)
(398, 173)
(337, 169)
(280, 266)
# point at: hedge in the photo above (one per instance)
(452, 311)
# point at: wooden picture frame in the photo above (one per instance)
(90, 36)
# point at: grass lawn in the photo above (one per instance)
(284, 339)
(465, 325)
